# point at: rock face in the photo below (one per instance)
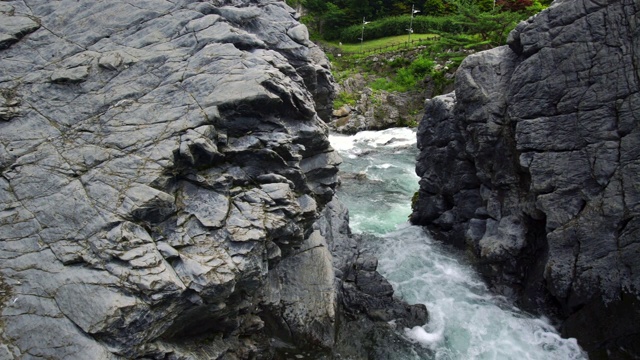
(377, 111)
(164, 178)
(533, 165)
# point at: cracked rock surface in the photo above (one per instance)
(533, 165)
(163, 174)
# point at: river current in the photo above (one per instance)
(467, 321)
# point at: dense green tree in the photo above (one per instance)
(293, 3)
(335, 18)
(514, 5)
(358, 9)
(313, 13)
(492, 26)
(473, 5)
(434, 7)
(314, 6)
(401, 8)
(491, 20)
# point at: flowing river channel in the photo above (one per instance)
(466, 320)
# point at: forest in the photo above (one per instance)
(341, 19)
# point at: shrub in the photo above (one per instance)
(385, 84)
(422, 66)
(399, 62)
(344, 98)
(410, 122)
(440, 81)
(514, 5)
(406, 78)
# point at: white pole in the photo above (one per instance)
(413, 11)
(362, 36)
(410, 25)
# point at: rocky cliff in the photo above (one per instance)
(166, 186)
(532, 164)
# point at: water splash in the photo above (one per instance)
(377, 172)
(466, 320)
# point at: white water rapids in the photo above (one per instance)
(466, 320)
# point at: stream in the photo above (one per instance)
(467, 321)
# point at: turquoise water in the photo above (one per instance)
(466, 320)
(378, 177)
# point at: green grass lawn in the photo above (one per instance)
(377, 43)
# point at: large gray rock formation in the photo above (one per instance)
(533, 165)
(378, 111)
(163, 175)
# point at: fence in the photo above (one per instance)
(407, 45)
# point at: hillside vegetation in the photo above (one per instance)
(380, 44)
(410, 51)
(342, 20)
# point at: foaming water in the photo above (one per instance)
(390, 138)
(377, 173)
(466, 320)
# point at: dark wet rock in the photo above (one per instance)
(530, 165)
(370, 319)
(367, 292)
